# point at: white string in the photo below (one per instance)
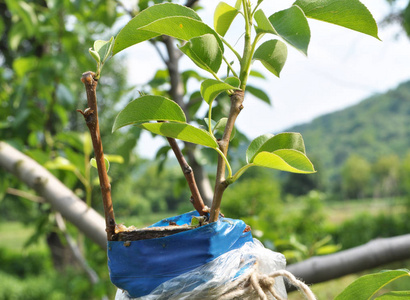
(264, 284)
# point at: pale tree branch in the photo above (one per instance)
(61, 198)
(375, 253)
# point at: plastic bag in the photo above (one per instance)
(213, 279)
(202, 262)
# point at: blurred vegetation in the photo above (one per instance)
(361, 154)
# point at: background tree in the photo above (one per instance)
(356, 175)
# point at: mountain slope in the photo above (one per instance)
(377, 126)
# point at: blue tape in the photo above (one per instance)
(141, 266)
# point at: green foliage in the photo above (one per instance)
(254, 197)
(355, 177)
(367, 227)
(272, 54)
(223, 17)
(149, 108)
(205, 48)
(351, 14)
(367, 286)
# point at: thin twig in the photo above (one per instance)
(189, 176)
(25, 195)
(91, 117)
(92, 275)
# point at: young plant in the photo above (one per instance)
(206, 48)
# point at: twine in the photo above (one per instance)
(263, 285)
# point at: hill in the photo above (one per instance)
(377, 126)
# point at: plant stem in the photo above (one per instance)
(196, 198)
(221, 184)
(229, 66)
(239, 173)
(247, 51)
(232, 48)
(91, 119)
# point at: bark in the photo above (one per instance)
(91, 119)
(62, 199)
(373, 254)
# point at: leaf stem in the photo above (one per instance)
(238, 56)
(226, 161)
(239, 173)
(91, 117)
(229, 66)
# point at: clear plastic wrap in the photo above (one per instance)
(215, 279)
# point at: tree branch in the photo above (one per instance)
(220, 184)
(62, 199)
(373, 254)
(196, 198)
(91, 119)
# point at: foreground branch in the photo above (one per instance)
(373, 254)
(62, 199)
(91, 119)
(196, 198)
(220, 184)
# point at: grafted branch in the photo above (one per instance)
(91, 118)
(220, 184)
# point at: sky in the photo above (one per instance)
(342, 68)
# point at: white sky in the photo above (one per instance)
(342, 68)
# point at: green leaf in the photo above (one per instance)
(351, 14)
(292, 25)
(257, 74)
(114, 158)
(238, 4)
(60, 163)
(183, 28)
(182, 131)
(104, 48)
(223, 17)
(255, 145)
(204, 51)
(210, 88)
(26, 12)
(234, 81)
(23, 65)
(168, 18)
(258, 93)
(93, 163)
(220, 127)
(149, 108)
(271, 143)
(396, 295)
(367, 286)
(285, 140)
(163, 151)
(95, 55)
(285, 160)
(272, 54)
(264, 25)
